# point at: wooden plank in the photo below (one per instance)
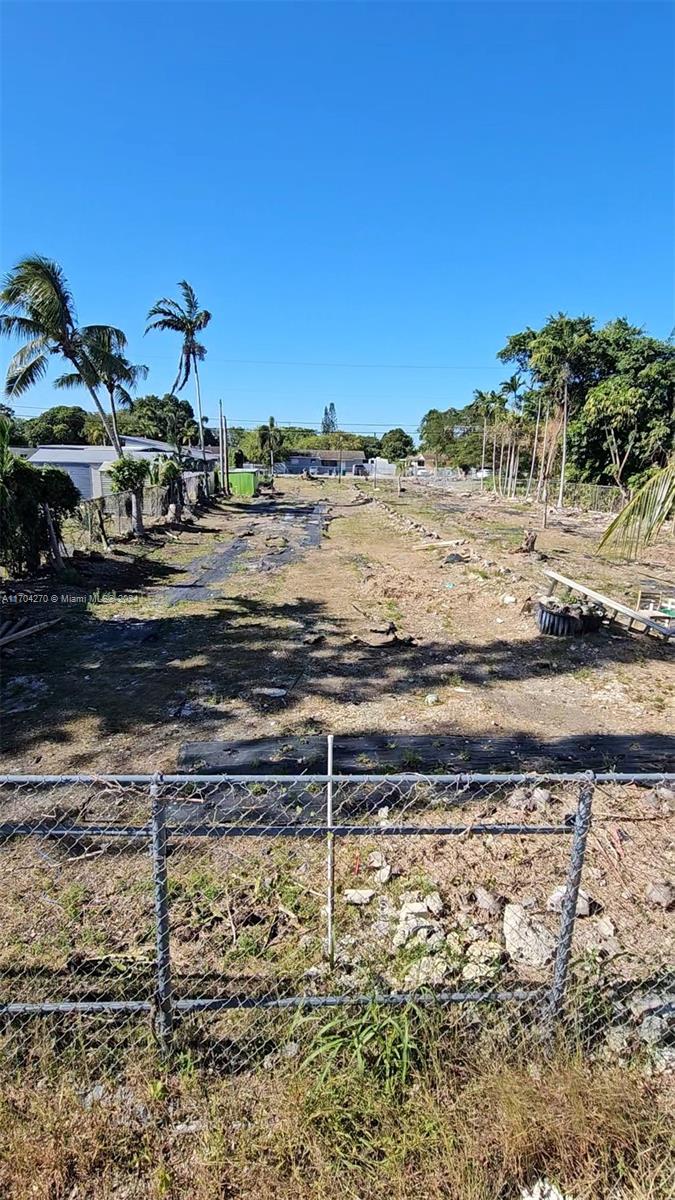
(381, 754)
(613, 605)
(14, 637)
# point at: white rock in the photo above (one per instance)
(434, 903)
(428, 972)
(660, 895)
(605, 927)
(543, 1190)
(271, 692)
(507, 598)
(413, 908)
(359, 896)
(652, 1029)
(527, 941)
(639, 1005)
(375, 860)
(541, 797)
(486, 901)
(555, 901)
(384, 873)
(432, 698)
(488, 951)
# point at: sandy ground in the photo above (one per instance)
(258, 594)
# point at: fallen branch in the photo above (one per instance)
(14, 637)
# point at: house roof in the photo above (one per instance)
(333, 456)
(142, 443)
(93, 455)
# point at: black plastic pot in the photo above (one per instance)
(558, 624)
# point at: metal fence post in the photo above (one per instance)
(163, 995)
(568, 912)
(330, 860)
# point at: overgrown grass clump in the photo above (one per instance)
(378, 1103)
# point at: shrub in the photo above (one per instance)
(129, 474)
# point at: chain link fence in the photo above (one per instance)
(588, 497)
(110, 516)
(206, 916)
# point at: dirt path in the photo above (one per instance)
(283, 593)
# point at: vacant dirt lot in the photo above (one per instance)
(283, 594)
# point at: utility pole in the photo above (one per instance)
(224, 453)
(227, 458)
(221, 443)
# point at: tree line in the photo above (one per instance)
(586, 402)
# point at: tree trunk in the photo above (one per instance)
(53, 540)
(113, 416)
(542, 467)
(494, 457)
(111, 431)
(501, 465)
(482, 461)
(137, 512)
(201, 425)
(563, 462)
(534, 450)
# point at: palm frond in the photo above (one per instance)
(69, 381)
(190, 298)
(175, 324)
(639, 523)
(12, 325)
(37, 285)
(36, 345)
(22, 376)
(107, 336)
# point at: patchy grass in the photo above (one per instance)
(367, 1109)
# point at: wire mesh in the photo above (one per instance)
(205, 915)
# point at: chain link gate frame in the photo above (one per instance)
(187, 811)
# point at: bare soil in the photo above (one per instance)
(254, 595)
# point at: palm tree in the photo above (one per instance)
(37, 305)
(483, 406)
(111, 369)
(271, 440)
(640, 521)
(188, 320)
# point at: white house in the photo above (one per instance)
(84, 463)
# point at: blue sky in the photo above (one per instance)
(369, 197)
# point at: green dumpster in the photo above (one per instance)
(243, 482)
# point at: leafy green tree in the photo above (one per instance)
(62, 425)
(438, 430)
(130, 475)
(397, 444)
(107, 367)
(329, 422)
(33, 501)
(36, 305)
(188, 320)
(18, 434)
(166, 418)
(271, 443)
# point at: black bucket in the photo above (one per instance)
(557, 623)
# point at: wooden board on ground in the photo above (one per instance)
(381, 754)
(613, 606)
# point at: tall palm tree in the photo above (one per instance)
(36, 304)
(483, 406)
(640, 521)
(111, 369)
(188, 320)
